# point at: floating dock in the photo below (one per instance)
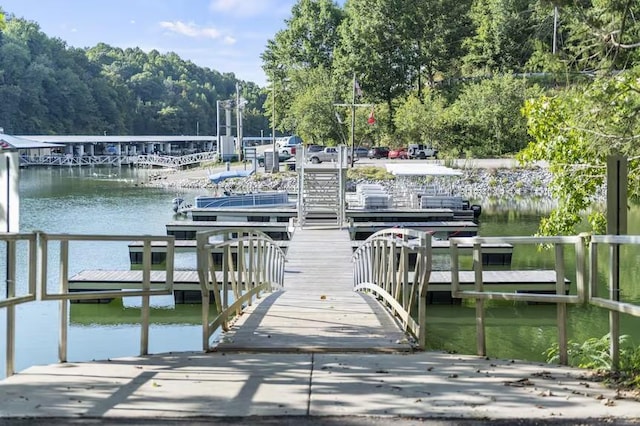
(492, 254)
(187, 229)
(187, 285)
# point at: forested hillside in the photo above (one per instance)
(47, 87)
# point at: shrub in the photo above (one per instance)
(594, 354)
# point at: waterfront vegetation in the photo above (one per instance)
(594, 354)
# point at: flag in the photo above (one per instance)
(372, 118)
(356, 88)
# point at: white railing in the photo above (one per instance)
(612, 303)
(382, 267)
(561, 299)
(38, 276)
(168, 161)
(144, 287)
(258, 265)
(176, 162)
(70, 160)
(12, 299)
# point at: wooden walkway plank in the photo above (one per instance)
(318, 311)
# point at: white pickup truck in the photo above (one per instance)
(288, 145)
(329, 154)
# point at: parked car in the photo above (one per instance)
(282, 156)
(329, 154)
(378, 152)
(360, 152)
(421, 151)
(313, 148)
(398, 153)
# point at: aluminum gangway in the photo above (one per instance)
(318, 310)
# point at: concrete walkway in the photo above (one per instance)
(252, 388)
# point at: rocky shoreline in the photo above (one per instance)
(475, 183)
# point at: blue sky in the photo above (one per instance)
(225, 35)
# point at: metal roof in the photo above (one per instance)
(117, 139)
(19, 142)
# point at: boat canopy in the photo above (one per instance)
(421, 169)
(228, 174)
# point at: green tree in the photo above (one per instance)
(418, 121)
(485, 118)
(374, 48)
(601, 35)
(307, 43)
(312, 113)
(502, 39)
(574, 131)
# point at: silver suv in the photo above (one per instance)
(418, 150)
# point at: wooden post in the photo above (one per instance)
(617, 178)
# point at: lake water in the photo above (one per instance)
(109, 201)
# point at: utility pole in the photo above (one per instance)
(353, 106)
(239, 146)
(275, 156)
(555, 28)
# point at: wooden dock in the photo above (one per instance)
(319, 274)
(492, 254)
(447, 229)
(187, 229)
(159, 250)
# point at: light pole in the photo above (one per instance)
(275, 166)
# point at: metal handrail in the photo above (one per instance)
(12, 300)
(176, 162)
(560, 298)
(382, 267)
(612, 303)
(63, 296)
(258, 266)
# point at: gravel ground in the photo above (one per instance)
(481, 179)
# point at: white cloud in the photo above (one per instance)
(190, 29)
(229, 40)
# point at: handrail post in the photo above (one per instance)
(405, 272)
(581, 268)
(614, 294)
(593, 270)
(479, 287)
(203, 259)
(11, 309)
(226, 259)
(63, 309)
(146, 286)
(561, 306)
(425, 253)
